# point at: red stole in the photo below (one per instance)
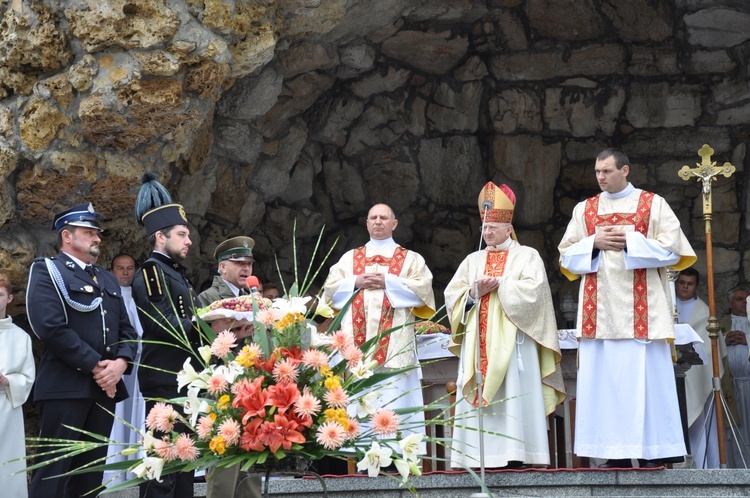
(359, 320)
(494, 267)
(640, 219)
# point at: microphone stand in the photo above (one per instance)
(478, 365)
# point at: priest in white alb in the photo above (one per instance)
(391, 286)
(699, 399)
(621, 241)
(501, 297)
(133, 409)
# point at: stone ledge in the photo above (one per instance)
(678, 482)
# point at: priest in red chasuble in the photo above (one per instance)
(503, 292)
(392, 286)
(621, 241)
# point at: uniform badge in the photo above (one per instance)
(70, 265)
(88, 288)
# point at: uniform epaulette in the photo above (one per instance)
(154, 280)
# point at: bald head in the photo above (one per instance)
(381, 222)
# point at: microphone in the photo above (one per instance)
(252, 283)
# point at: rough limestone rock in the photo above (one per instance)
(257, 113)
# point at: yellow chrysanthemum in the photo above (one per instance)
(247, 355)
(212, 416)
(332, 383)
(289, 320)
(217, 445)
(326, 371)
(223, 402)
(337, 415)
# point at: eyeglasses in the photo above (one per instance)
(495, 228)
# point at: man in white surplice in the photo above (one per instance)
(735, 329)
(620, 241)
(392, 286)
(519, 354)
(704, 444)
(133, 409)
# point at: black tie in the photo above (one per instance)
(90, 271)
(244, 292)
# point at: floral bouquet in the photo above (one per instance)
(291, 392)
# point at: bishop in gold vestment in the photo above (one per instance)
(519, 353)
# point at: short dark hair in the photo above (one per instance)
(121, 255)
(692, 272)
(166, 231)
(70, 228)
(620, 158)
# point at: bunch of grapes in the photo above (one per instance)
(240, 303)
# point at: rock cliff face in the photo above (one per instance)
(258, 113)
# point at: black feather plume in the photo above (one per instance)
(152, 195)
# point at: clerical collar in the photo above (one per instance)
(79, 262)
(622, 193)
(379, 244)
(166, 260)
(686, 300)
(502, 247)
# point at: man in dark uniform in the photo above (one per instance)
(166, 300)
(77, 311)
(235, 257)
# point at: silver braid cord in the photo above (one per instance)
(55, 273)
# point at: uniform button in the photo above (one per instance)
(105, 312)
(109, 349)
(78, 369)
(107, 329)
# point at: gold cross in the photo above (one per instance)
(705, 173)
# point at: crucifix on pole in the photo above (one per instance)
(706, 172)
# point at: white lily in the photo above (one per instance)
(319, 340)
(292, 304)
(205, 352)
(410, 447)
(194, 406)
(188, 375)
(361, 371)
(365, 407)
(323, 309)
(150, 468)
(149, 441)
(230, 371)
(403, 468)
(375, 458)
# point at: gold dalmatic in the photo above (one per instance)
(359, 320)
(640, 220)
